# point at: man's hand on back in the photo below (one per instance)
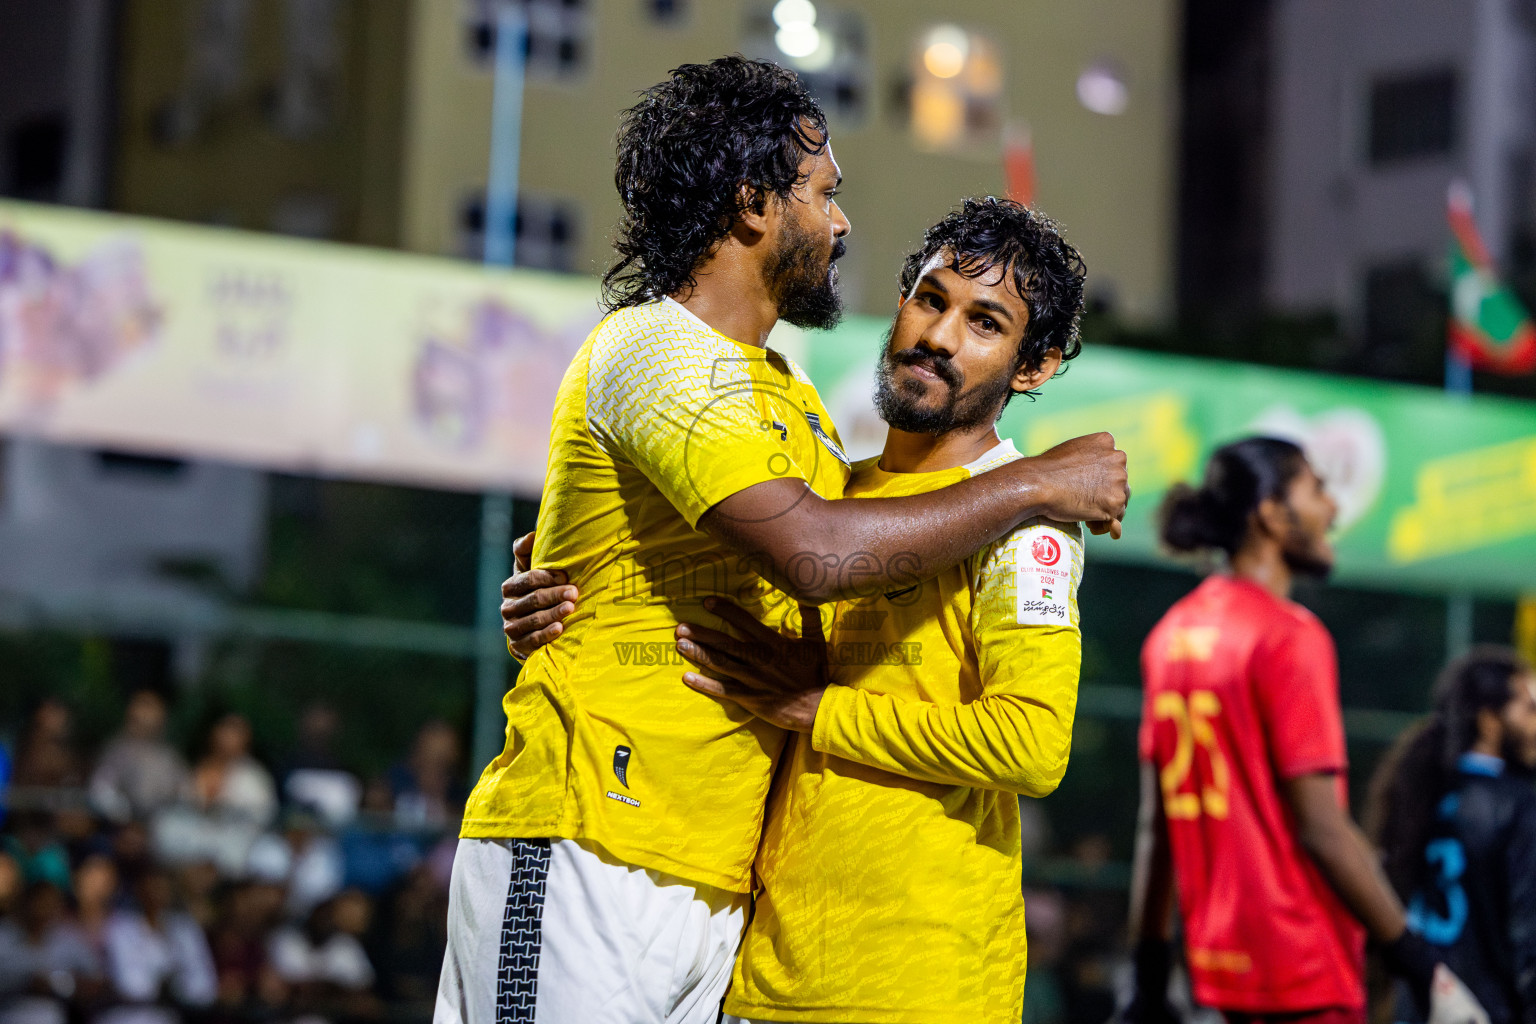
(1084, 480)
(533, 602)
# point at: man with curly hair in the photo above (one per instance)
(606, 854)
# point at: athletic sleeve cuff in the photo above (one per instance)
(839, 704)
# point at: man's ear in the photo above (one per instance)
(1026, 378)
(1273, 517)
(759, 214)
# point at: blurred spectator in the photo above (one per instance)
(1045, 923)
(227, 780)
(427, 787)
(139, 772)
(318, 871)
(46, 755)
(131, 851)
(413, 938)
(197, 886)
(312, 777)
(229, 801)
(324, 963)
(11, 884)
(247, 979)
(373, 858)
(45, 964)
(95, 899)
(37, 850)
(157, 957)
(1095, 916)
(304, 860)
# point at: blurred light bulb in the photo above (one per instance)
(1102, 90)
(820, 58)
(794, 12)
(798, 39)
(946, 51)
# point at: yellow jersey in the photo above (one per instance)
(657, 420)
(890, 866)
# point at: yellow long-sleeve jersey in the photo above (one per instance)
(658, 419)
(890, 866)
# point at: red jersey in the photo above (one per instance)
(1242, 690)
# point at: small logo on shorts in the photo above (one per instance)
(621, 766)
(621, 798)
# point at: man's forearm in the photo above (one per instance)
(1343, 855)
(818, 550)
(1152, 866)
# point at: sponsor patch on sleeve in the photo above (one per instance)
(1043, 561)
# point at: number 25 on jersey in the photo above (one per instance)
(1187, 792)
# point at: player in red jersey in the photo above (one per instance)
(1243, 769)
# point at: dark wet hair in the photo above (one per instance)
(990, 234)
(1421, 768)
(1238, 477)
(685, 152)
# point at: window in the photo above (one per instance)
(36, 159)
(545, 231)
(149, 467)
(955, 90)
(667, 12)
(559, 34)
(1404, 320)
(827, 48)
(1413, 117)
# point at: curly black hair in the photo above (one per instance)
(987, 234)
(685, 151)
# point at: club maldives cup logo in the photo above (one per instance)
(1045, 550)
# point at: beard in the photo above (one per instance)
(804, 285)
(899, 403)
(1301, 556)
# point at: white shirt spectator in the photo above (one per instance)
(338, 960)
(141, 960)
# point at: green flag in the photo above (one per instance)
(1489, 328)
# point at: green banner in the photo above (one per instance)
(1436, 493)
(143, 335)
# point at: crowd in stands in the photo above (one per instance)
(143, 888)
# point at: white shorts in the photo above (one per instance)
(545, 931)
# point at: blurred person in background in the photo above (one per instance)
(33, 842)
(139, 772)
(46, 755)
(197, 890)
(11, 884)
(96, 894)
(158, 959)
(46, 966)
(227, 781)
(324, 963)
(131, 852)
(1454, 814)
(311, 777)
(1243, 794)
(428, 787)
(409, 944)
(248, 982)
(373, 853)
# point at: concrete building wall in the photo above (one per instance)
(89, 534)
(1334, 212)
(1109, 179)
